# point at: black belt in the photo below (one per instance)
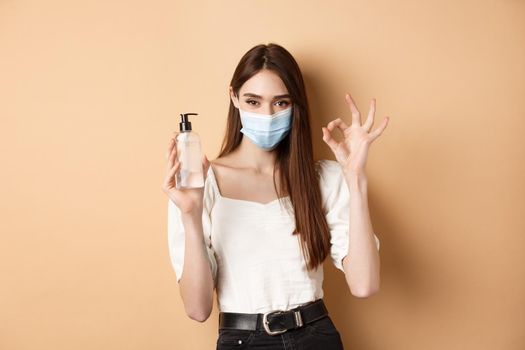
(275, 322)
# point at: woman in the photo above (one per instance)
(269, 215)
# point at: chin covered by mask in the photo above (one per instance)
(266, 130)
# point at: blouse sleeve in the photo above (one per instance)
(176, 234)
(336, 202)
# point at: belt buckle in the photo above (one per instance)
(267, 326)
(297, 317)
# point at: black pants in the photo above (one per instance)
(320, 334)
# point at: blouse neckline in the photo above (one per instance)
(211, 174)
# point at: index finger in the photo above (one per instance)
(171, 145)
(172, 158)
(339, 123)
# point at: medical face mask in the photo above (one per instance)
(266, 130)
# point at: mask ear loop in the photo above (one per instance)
(236, 98)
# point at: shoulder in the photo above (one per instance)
(219, 168)
(223, 166)
(331, 179)
(328, 170)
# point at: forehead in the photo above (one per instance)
(265, 83)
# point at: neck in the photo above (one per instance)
(251, 156)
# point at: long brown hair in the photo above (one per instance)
(294, 154)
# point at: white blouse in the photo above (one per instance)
(255, 260)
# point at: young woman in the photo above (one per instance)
(269, 215)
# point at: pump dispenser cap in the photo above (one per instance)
(185, 124)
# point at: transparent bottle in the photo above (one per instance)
(189, 155)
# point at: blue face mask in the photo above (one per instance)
(265, 130)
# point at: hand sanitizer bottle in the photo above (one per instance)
(189, 155)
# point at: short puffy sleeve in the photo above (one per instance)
(176, 233)
(336, 203)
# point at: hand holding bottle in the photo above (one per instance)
(189, 200)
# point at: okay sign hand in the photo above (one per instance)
(352, 152)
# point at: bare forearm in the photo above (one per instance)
(196, 282)
(362, 263)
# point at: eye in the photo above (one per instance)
(250, 102)
(286, 103)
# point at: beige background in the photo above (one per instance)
(91, 91)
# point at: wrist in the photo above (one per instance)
(352, 173)
(356, 179)
(192, 217)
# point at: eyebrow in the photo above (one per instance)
(249, 94)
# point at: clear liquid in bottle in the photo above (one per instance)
(189, 155)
